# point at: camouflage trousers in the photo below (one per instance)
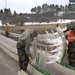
(71, 56)
(23, 58)
(6, 33)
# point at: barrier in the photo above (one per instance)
(36, 69)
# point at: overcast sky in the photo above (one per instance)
(25, 6)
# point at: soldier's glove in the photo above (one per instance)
(31, 58)
(30, 55)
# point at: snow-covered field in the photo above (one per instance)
(37, 23)
(59, 21)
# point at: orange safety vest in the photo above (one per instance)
(70, 35)
(6, 27)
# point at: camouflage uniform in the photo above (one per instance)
(71, 46)
(23, 46)
(71, 53)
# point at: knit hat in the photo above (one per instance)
(35, 32)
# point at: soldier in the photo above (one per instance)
(23, 46)
(6, 30)
(71, 43)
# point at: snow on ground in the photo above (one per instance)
(57, 22)
(0, 23)
(37, 23)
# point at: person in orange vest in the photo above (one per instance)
(70, 35)
(6, 30)
(71, 47)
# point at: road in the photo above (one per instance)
(8, 66)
